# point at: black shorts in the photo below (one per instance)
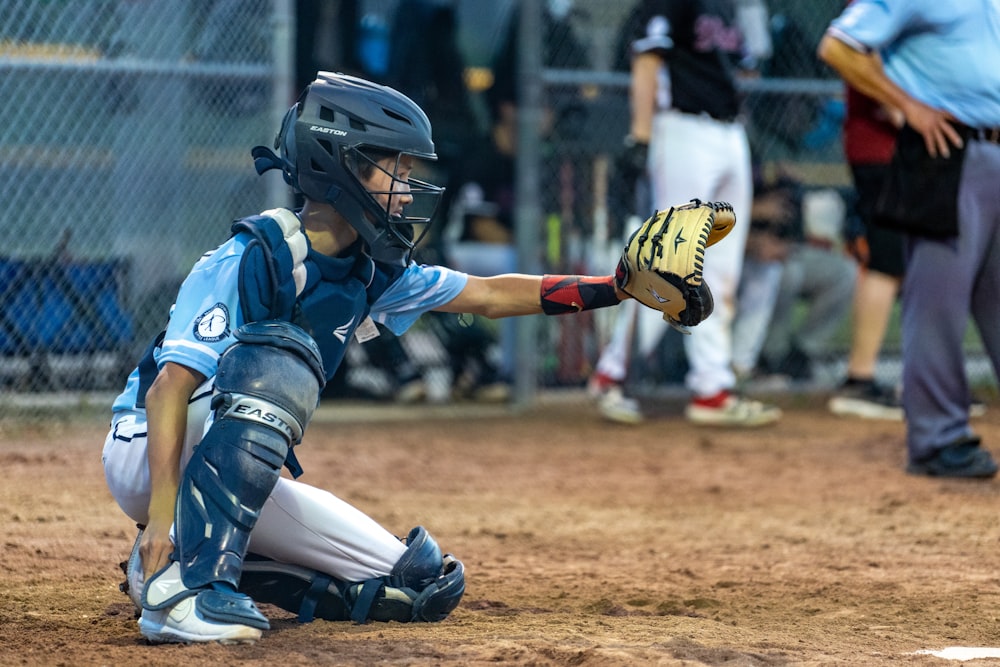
(885, 245)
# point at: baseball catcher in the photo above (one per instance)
(223, 397)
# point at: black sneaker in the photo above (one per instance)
(962, 458)
(866, 399)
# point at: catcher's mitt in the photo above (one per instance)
(663, 260)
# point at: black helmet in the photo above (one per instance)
(339, 128)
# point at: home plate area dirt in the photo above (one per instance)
(585, 543)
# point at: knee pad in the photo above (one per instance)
(420, 564)
(424, 587)
(267, 387)
(442, 595)
(439, 581)
(379, 600)
(273, 375)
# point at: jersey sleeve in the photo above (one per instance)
(206, 311)
(868, 26)
(419, 289)
(655, 30)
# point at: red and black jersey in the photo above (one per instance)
(701, 45)
(869, 136)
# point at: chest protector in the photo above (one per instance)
(282, 278)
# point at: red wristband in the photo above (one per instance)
(572, 294)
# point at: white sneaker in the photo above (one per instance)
(183, 623)
(734, 410)
(615, 406)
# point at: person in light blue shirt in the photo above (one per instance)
(220, 399)
(939, 64)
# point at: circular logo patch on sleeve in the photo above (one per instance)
(213, 324)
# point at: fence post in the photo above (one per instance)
(282, 90)
(528, 211)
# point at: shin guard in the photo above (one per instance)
(267, 388)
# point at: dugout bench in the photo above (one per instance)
(63, 325)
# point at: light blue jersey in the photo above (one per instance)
(208, 309)
(945, 54)
(420, 289)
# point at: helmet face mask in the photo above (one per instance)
(352, 143)
(399, 203)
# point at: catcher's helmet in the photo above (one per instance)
(337, 130)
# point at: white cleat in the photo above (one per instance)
(183, 623)
(734, 411)
(173, 613)
(615, 406)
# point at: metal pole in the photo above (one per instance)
(282, 89)
(528, 211)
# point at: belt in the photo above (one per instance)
(987, 134)
(704, 114)
(990, 135)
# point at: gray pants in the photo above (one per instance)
(947, 281)
(825, 280)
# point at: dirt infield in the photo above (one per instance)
(585, 544)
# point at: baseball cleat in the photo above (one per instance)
(612, 402)
(727, 409)
(184, 623)
(615, 406)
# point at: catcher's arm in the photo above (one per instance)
(513, 294)
(663, 261)
(167, 411)
(661, 267)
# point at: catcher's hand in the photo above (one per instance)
(663, 260)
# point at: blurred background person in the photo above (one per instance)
(940, 66)
(816, 288)
(687, 136)
(797, 282)
(869, 141)
(772, 219)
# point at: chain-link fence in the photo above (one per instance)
(125, 127)
(792, 111)
(124, 135)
